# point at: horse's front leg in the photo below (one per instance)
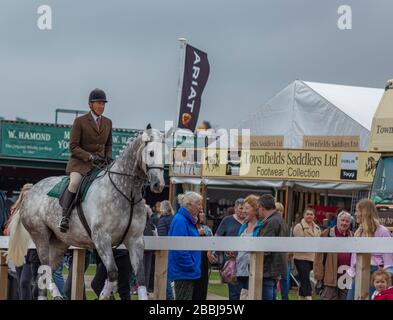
(103, 243)
(136, 249)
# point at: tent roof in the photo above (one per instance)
(315, 109)
(360, 103)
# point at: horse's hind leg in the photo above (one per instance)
(49, 250)
(103, 243)
(40, 237)
(57, 250)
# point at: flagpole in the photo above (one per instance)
(183, 43)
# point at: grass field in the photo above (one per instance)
(215, 286)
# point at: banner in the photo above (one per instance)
(196, 73)
(342, 143)
(381, 139)
(47, 141)
(261, 142)
(286, 164)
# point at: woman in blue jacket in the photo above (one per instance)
(184, 266)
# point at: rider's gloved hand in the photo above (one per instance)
(108, 160)
(97, 159)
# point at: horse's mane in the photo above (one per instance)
(130, 141)
(138, 139)
(136, 145)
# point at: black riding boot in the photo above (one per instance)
(68, 198)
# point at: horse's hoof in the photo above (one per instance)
(102, 297)
(142, 293)
(58, 298)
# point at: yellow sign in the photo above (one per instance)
(288, 164)
(381, 139)
(331, 143)
(381, 135)
(261, 142)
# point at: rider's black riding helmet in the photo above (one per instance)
(97, 95)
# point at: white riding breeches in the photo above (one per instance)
(75, 179)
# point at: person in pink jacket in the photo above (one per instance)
(367, 217)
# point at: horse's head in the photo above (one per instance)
(152, 162)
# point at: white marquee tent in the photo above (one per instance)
(312, 108)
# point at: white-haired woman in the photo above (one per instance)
(329, 267)
(184, 266)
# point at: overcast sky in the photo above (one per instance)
(130, 49)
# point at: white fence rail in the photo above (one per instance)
(263, 244)
(256, 245)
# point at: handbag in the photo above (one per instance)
(219, 264)
(228, 272)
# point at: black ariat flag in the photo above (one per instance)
(196, 73)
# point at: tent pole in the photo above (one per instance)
(286, 218)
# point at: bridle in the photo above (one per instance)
(146, 168)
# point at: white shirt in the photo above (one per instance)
(95, 117)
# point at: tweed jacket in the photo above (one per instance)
(87, 139)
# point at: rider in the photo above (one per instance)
(90, 145)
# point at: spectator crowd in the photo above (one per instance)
(313, 274)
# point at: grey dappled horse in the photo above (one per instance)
(106, 209)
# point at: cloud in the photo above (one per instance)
(130, 49)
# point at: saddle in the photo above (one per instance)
(59, 189)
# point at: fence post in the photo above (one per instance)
(256, 276)
(362, 278)
(160, 274)
(3, 276)
(78, 274)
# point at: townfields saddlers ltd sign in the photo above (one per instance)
(286, 164)
(46, 141)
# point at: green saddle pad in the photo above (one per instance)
(59, 187)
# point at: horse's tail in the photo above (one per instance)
(19, 241)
